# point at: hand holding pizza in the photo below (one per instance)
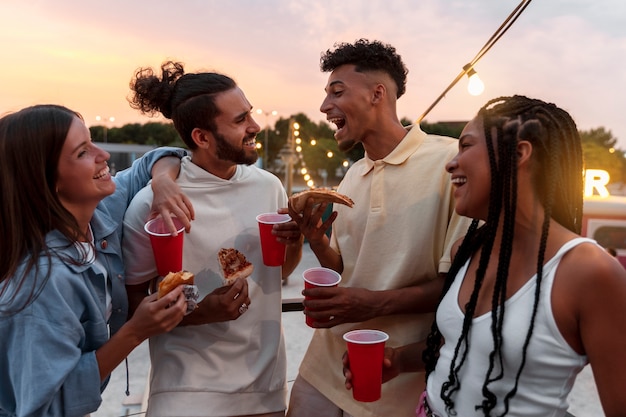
(230, 301)
(310, 222)
(223, 304)
(307, 207)
(317, 196)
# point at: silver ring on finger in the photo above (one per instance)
(243, 308)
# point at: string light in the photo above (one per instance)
(306, 176)
(468, 69)
(475, 86)
(296, 142)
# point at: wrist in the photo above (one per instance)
(166, 168)
(130, 335)
(159, 177)
(317, 245)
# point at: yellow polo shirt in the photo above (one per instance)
(398, 234)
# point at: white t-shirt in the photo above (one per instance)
(230, 368)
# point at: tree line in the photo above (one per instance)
(599, 144)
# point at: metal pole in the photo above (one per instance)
(267, 150)
(289, 173)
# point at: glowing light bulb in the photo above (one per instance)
(475, 85)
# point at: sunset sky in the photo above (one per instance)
(82, 53)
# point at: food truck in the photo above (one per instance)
(604, 215)
(604, 220)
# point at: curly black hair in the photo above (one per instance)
(367, 56)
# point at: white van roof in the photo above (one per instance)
(613, 205)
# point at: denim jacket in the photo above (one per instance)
(48, 365)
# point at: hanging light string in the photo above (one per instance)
(515, 14)
(306, 175)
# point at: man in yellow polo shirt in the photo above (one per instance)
(391, 248)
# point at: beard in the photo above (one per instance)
(228, 152)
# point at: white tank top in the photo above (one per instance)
(551, 364)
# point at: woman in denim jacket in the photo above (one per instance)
(63, 306)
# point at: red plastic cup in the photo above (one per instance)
(273, 251)
(319, 277)
(167, 249)
(366, 349)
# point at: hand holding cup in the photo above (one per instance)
(366, 350)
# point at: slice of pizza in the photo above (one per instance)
(319, 195)
(233, 265)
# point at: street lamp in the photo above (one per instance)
(105, 120)
(267, 127)
(289, 156)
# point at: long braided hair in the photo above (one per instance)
(557, 180)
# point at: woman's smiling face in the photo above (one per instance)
(470, 172)
(83, 173)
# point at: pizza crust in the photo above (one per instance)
(233, 265)
(319, 195)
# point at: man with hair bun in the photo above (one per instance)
(228, 356)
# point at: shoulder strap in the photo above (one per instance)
(564, 249)
(573, 243)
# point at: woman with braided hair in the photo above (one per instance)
(527, 302)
